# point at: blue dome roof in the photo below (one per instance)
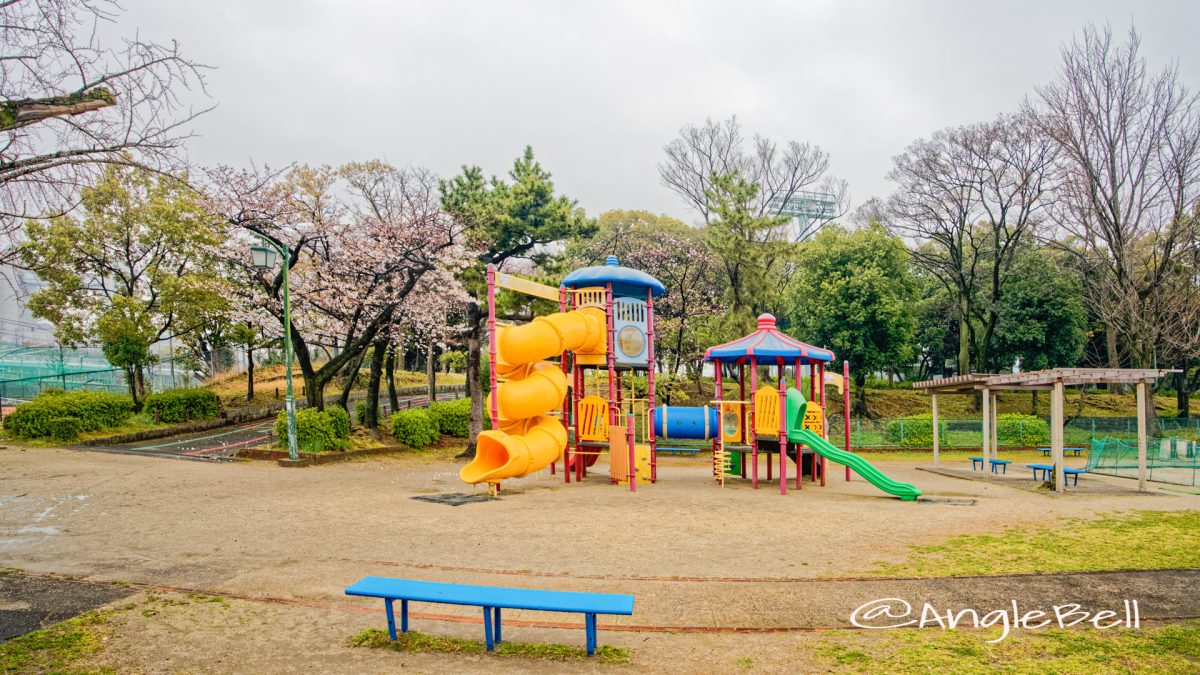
(625, 280)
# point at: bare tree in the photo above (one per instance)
(70, 103)
(1130, 145)
(782, 172)
(969, 197)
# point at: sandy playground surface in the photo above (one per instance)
(718, 573)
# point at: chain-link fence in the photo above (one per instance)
(1168, 460)
(26, 371)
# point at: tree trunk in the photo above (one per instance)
(371, 418)
(1033, 406)
(249, 373)
(474, 384)
(964, 347)
(353, 366)
(131, 378)
(1114, 359)
(1183, 395)
(860, 397)
(431, 370)
(314, 391)
(390, 367)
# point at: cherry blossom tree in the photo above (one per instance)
(359, 241)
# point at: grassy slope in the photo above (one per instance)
(231, 387)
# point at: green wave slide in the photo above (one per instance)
(796, 406)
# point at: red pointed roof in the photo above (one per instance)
(767, 343)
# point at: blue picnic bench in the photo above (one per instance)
(1046, 469)
(492, 599)
(996, 464)
(976, 461)
(1078, 450)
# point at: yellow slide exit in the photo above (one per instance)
(527, 439)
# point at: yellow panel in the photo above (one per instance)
(814, 418)
(732, 415)
(526, 286)
(766, 411)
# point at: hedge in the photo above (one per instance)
(95, 411)
(64, 429)
(183, 405)
(414, 428)
(452, 418)
(340, 419)
(1022, 430)
(915, 431)
(316, 430)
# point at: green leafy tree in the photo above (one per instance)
(504, 220)
(854, 294)
(137, 265)
(1042, 321)
(748, 247)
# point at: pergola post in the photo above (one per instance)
(1056, 435)
(987, 422)
(995, 426)
(936, 434)
(1141, 427)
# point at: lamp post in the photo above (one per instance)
(263, 258)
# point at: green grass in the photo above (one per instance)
(413, 641)
(57, 648)
(1140, 540)
(1159, 649)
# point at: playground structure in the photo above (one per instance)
(588, 404)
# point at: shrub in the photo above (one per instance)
(452, 418)
(183, 405)
(94, 410)
(414, 428)
(360, 412)
(1022, 430)
(915, 431)
(64, 429)
(316, 431)
(339, 419)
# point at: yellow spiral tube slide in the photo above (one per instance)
(528, 440)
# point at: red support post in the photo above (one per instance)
(650, 385)
(799, 454)
(753, 429)
(716, 440)
(824, 428)
(491, 299)
(612, 358)
(783, 424)
(846, 405)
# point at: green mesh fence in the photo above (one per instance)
(968, 433)
(26, 371)
(1168, 460)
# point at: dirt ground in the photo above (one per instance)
(719, 574)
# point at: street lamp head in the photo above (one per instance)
(263, 257)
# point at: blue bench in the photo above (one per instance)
(492, 599)
(1047, 469)
(1078, 450)
(1039, 469)
(1001, 464)
(976, 461)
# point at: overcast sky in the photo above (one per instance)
(597, 88)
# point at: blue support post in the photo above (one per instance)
(403, 616)
(590, 625)
(496, 625)
(391, 618)
(487, 628)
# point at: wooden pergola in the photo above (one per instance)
(1054, 381)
